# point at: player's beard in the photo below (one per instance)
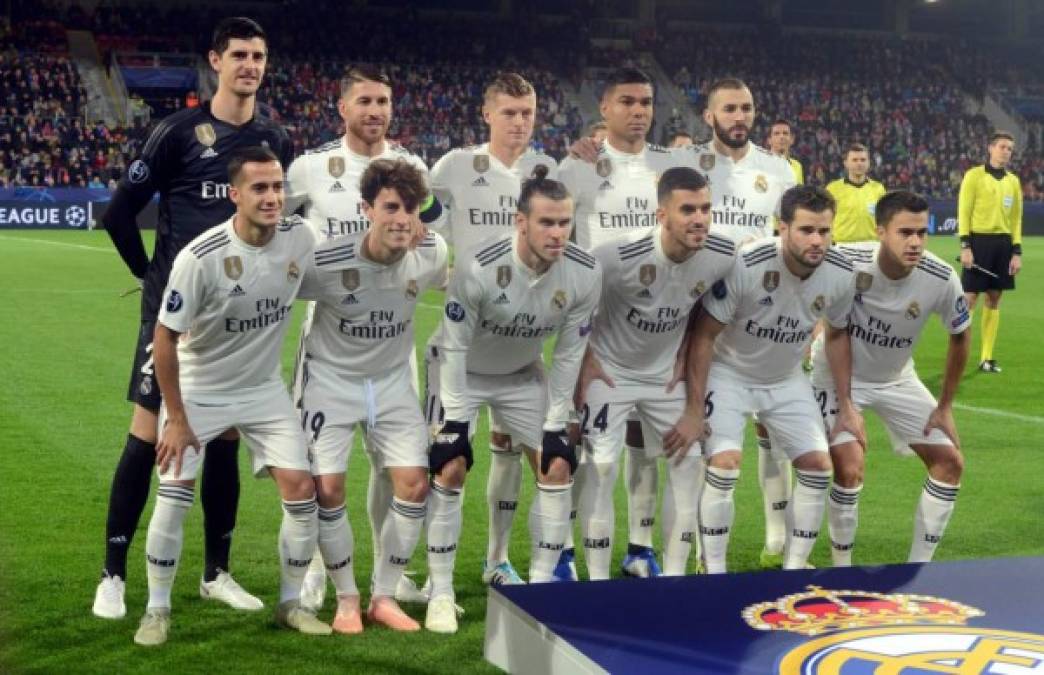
(722, 134)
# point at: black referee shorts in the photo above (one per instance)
(992, 252)
(143, 388)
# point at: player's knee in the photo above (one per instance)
(296, 486)
(848, 475)
(412, 487)
(329, 494)
(634, 437)
(558, 472)
(813, 461)
(993, 300)
(144, 424)
(948, 467)
(729, 461)
(453, 473)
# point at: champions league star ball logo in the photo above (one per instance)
(76, 216)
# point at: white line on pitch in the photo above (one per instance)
(1000, 413)
(101, 249)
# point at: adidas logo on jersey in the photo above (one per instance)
(236, 291)
(208, 153)
(767, 301)
(480, 182)
(349, 300)
(502, 300)
(644, 293)
(337, 187)
(606, 185)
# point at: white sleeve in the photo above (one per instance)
(311, 284)
(296, 189)
(953, 307)
(185, 293)
(724, 297)
(568, 176)
(463, 304)
(440, 180)
(569, 351)
(839, 310)
(438, 275)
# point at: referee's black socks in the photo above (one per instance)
(130, 491)
(219, 494)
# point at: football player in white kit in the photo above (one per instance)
(325, 181)
(356, 372)
(747, 182)
(479, 185)
(615, 194)
(504, 301)
(217, 349)
(898, 286)
(652, 278)
(762, 316)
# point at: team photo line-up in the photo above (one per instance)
(686, 290)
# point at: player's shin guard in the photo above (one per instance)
(505, 481)
(163, 541)
(642, 474)
(399, 537)
(597, 518)
(548, 523)
(297, 538)
(336, 544)
(804, 517)
(219, 495)
(843, 517)
(127, 497)
(717, 511)
(933, 513)
(774, 479)
(680, 513)
(379, 494)
(444, 524)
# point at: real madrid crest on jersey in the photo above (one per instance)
(761, 183)
(864, 280)
(707, 161)
(818, 304)
(480, 163)
(770, 281)
(335, 166)
(350, 279)
(233, 267)
(504, 276)
(647, 274)
(913, 311)
(698, 290)
(558, 301)
(411, 289)
(604, 167)
(293, 272)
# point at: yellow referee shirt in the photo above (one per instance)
(799, 172)
(990, 202)
(854, 220)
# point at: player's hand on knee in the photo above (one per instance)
(557, 444)
(688, 430)
(967, 258)
(590, 370)
(451, 441)
(942, 419)
(849, 419)
(585, 149)
(176, 439)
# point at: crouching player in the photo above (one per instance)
(898, 286)
(217, 348)
(355, 371)
(506, 298)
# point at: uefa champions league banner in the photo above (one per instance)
(942, 219)
(51, 208)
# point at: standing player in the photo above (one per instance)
(989, 222)
(898, 286)
(615, 193)
(480, 186)
(762, 316)
(747, 183)
(356, 371)
(780, 140)
(218, 341)
(186, 160)
(504, 301)
(652, 278)
(856, 195)
(326, 182)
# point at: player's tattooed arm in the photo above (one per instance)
(176, 436)
(956, 359)
(839, 355)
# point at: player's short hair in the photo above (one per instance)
(856, 147)
(782, 122)
(626, 75)
(679, 178)
(896, 201)
(251, 154)
(540, 184)
(363, 72)
(596, 126)
(731, 83)
(510, 84)
(1000, 134)
(809, 197)
(398, 175)
(235, 28)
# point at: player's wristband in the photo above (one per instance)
(1016, 249)
(965, 241)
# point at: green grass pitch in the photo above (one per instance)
(67, 340)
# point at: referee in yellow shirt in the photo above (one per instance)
(989, 222)
(780, 140)
(856, 195)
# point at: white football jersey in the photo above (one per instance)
(745, 194)
(646, 301)
(499, 312)
(481, 192)
(770, 313)
(326, 181)
(231, 301)
(362, 325)
(888, 315)
(616, 193)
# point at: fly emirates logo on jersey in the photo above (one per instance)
(360, 223)
(379, 324)
(523, 325)
(668, 319)
(213, 190)
(270, 311)
(732, 210)
(503, 215)
(786, 331)
(878, 333)
(636, 212)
